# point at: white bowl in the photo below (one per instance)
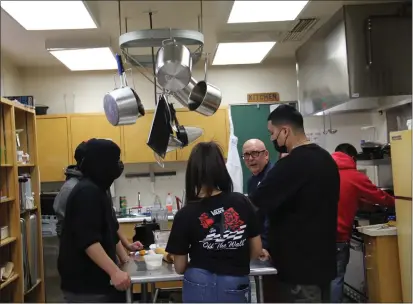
(153, 261)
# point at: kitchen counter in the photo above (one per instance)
(127, 225)
(378, 230)
(139, 219)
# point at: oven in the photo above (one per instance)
(355, 283)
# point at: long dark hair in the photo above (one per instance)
(206, 168)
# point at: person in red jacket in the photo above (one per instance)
(355, 189)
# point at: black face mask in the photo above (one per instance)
(119, 170)
(277, 147)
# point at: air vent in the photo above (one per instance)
(300, 29)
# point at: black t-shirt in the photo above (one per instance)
(252, 185)
(300, 194)
(89, 219)
(215, 232)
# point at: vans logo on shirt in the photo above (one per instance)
(226, 230)
(217, 211)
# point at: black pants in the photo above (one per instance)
(276, 291)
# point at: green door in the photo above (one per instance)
(250, 121)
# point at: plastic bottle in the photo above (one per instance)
(123, 205)
(169, 203)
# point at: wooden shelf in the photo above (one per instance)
(7, 240)
(33, 287)
(25, 165)
(15, 116)
(6, 200)
(17, 105)
(13, 278)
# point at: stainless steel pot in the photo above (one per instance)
(122, 106)
(182, 96)
(204, 97)
(173, 66)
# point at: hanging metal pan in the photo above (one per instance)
(182, 96)
(173, 66)
(205, 98)
(122, 106)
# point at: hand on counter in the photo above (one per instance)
(120, 280)
(135, 246)
(265, 255)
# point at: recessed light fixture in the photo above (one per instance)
(49, 15)
(241, 52)
(265, 11)
(86, 59)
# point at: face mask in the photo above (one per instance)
(277, 147)
(119, 170)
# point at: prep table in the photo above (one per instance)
(139, 275)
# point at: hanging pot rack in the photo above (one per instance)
(153, 38)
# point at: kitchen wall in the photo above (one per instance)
(84, 91)
(11, 84)
(66, 92)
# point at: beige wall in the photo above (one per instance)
(86, 89)
(11, 84)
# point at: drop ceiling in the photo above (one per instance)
(27, 48)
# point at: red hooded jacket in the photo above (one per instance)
(355, 187)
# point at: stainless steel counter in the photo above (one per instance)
(139, 275)
(138, 219)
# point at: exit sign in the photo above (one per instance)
(264, 97)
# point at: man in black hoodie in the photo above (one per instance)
(89, 240)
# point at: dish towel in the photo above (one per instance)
(233, 161)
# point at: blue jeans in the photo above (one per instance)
(337, 285)
(202, 286)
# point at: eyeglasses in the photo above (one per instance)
(253, 154)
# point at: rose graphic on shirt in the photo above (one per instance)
(232, 220)
(206, 222)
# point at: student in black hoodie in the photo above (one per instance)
(89, 240)
(73, 175)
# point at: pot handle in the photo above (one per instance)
(206, 67)
(168, 41)
(121, 70)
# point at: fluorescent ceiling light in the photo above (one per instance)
(241, 52)
(49, 15)
(265, 11)
(87, 59)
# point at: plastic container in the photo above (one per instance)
(169, 203)
(5, 232)
(41, 109)
(153, 261)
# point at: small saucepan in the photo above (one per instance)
(204, 97)
(122, 106)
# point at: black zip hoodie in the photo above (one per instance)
(88, 220)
